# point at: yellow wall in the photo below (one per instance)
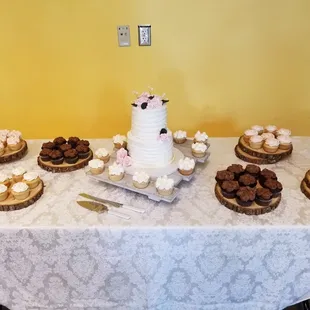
(224, 64)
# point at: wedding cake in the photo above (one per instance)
(150, 142)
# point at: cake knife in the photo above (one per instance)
(113, 203)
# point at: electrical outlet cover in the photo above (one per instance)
(123, 34)
(144, 32)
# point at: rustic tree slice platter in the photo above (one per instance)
(260, 153)
(11, 204)
(64, 167)
(305, 189)
(254, 209)
(251, 159)
(9, 155)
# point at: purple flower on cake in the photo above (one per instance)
(164, 137)
(122, 158)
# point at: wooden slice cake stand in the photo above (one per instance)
(254, 209)
(11, 204)
(9, 155)
(305, 185)
(64, 167)
(259, 156)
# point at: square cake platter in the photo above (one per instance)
(150, 191)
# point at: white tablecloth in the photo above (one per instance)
(192, 254)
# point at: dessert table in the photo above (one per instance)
(192, 254)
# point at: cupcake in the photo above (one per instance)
(14, 133)
(236, 169)
(267, 135)
(253, 170)
(263, 197)
(71, 156)
(20, 190)
(201, 137)
(199, 149)
(48, 145)
(103, 155)
(248, 134)
(246, 196)
(274, 186)
(247, 180)
(258, 128)
(285, 142)
(4, 132)
(2, 149)
(116, 172)
(224, 175)
(186, 166)
(32, 179)
(45, 154)
(59, 141)
(164, 186)
(73, 141)
(265, 175)
(14, 143)
(256, 142)
(56, 157)
(283, 132)
(83, 142)
(141, 179)
(83, 151)
(179, 136)
(96, 166)
(65, 147)
(4, 193)
(5, 180)
(18, 174)
(119, 141)
(229, 189)
(271, 145)
(271, 129)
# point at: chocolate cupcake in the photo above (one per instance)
(83, 151)
(71, 156)
(274, 186)
(246, 196)
(247, 180)
(266, 174)
(48, 145)
(83, 142)
(65, 147)
(263, 197)
(224, 175)
(229, 189)
(56, 157)
(45, 154)
(59, 141)
(253, 170)
(73, 141)
(236, 169)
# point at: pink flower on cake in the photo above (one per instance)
(140, 100)
(156, 102)
(127, 161)
(120, 155)
(164, 137)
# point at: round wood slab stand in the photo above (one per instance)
(49, 166)
(251, 159)
(254, 209)
(260, 153)
(305, 189)
(11, 204)
(9, 155)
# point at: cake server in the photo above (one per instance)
(101, 208)
(113, 203)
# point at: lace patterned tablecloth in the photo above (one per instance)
(192, 254)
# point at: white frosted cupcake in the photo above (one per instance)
(267, 135)
(14, 143)
(283, 132)
(258, 128)
(2, 148)
(199, 149)
(248, 134)
(4, 132)
(271, 145)
(285, 142)
(32, 179)
(103, 155)
(201, 137)
(4, 193)
(96, 166)
(186, 166)
(18, 174)
(116, 172)
(14, 133)
(179, 136)
(119, 141)
(271, 128)
(256, 142)
(5, 179)
(20, 190)
(141, 179)
(164, 185)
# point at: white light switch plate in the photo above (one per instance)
(123, 34)
(144, 32)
